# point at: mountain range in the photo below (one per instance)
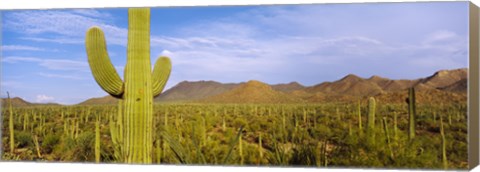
(19, 102)
(443, 85)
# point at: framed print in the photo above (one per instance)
(355, 85)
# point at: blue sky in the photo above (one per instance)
(44, 58)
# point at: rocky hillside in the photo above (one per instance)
(189, 91)
(290, 87)
(19, 102)
(252, 92)
(351, 85)
(100, 101)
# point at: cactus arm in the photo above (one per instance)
(160, 75)
(100, 65)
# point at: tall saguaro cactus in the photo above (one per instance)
(140, 84)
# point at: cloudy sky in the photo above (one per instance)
(44, 58)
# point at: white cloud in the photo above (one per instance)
(435, 62)
(20, 48)
(225, 26)
(41, 98)
(92, 13)
(10, 83)
(217, 54)
(440, 35)
(244, 44)
(445, 41)
(166, 53)
(69, 26)
(53, 64)
(63, 40)
(259, 42)
(51, 75)
(15, 59)
(55, 21)
(237, 45)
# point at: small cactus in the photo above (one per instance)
(37, 146)
(350, 128)
(395, 127)
(224, 126)
(158, 151)
(359, 113)
(260, 147)
(444, 145)
(371, 119)
(140, 84)
(10, 124)
(204, 131)
(304, 116)
(97, 140)
(411, 113)
(387, 135)
(240, 150)
(165, 144)
(25, 121)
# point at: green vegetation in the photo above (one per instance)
(270, 135)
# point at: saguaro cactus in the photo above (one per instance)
(411, 113)
(444, 145)
(371, 119)
(359, 113)
(10, 125)
(140, 83)
(387, 135)
(395, 128)
(97, 140)
(240, 150)
(260, 148)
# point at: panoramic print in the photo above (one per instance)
(372, 85)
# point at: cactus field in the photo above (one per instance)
(314, 135)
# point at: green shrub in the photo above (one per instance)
(84, 146)
(240, 122)
(49, 142)
(23, 139)
(303, 155)
(65, 150)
